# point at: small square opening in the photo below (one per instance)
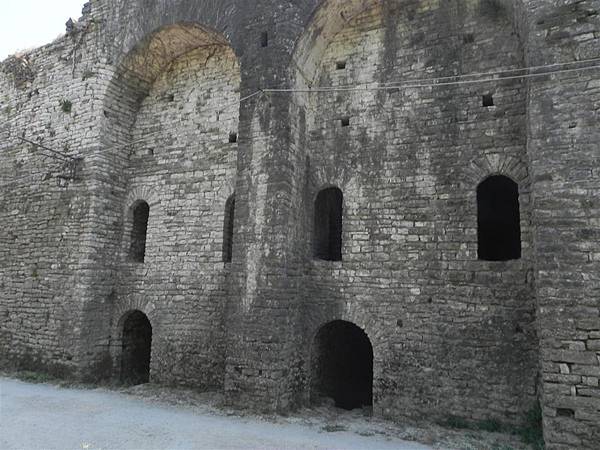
(264, 39)
(233, 137)
(469, 38)
(340, 65)
(345, 121)
(565, 412)
(488, 100)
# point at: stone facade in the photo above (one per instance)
(142, 101)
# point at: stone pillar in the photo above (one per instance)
(565, 171)
(264, 305)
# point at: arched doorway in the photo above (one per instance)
(342, 365)
(136, 348)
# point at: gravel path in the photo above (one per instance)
(39, 416)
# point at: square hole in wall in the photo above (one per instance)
(340, 65)
(468, 38)
(233, 137)
(565, 412)
(488, 100)
(345, 121)
(264, 39)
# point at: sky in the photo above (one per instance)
(26, 24)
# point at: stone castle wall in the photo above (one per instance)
(138, 96)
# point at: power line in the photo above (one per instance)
(412, 84)
(455, 80)
(62, 155)
(219, 109)
(502, 72)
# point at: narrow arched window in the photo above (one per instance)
(498, 219)
(328, 225)
(141, 213)
(228, 229)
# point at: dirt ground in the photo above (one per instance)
(36, 416)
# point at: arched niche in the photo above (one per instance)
(372, 44)
(331, 17)
(141, 68)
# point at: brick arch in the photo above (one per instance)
(225, 192)
(491, 164)
(140, 66)
(369, 324)
(362, 318)
(123, 310)
(146, 194)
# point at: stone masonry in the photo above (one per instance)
(225, 119)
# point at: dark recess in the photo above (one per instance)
(228, 229)
(343, 365)
(141, 213)
(328, 225)
(264, 39)
(499, 222)
(137, 347)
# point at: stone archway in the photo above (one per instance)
(342, 365)
(136, 348)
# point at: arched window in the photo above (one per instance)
(141, 213)
(498, 219)
(228, 229)
(328, 225)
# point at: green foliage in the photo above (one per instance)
(87, 74)
(66, 106)
(533, 433)
(492, 426)
(492, 8)
(457, 423)
(502, 447)
(34, 377)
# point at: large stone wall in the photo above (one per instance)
(409, 164)
(46, 96)
(564, 158)
(184, 166)
(451, 335)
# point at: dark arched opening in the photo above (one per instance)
(136, 349)
(141, 213)
(498, 219)
(343, 365)
(228, 229)
(328, 225)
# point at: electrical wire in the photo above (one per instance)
(413, 84)
(501, 72)
(418, 83)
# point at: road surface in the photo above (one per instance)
(41, 416)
